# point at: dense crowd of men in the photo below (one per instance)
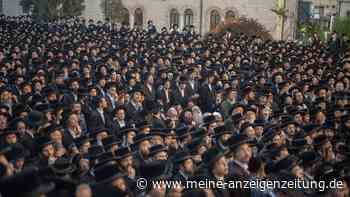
(89, 108)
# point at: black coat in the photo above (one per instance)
(207, 98)
(96, 121)
(178, 98)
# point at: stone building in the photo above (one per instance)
(344, 8)
(203, 14)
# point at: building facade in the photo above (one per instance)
(10, 7)
(344, 8)
(204, 15)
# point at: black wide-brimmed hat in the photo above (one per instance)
(212, 155)
(95, 151)
(25, 183)
(63, 166)
(43, 141)
(236, 140)
(110, 141)
(100, 130)
(142, 124)
(107, 173)
(123, 152)
(181, 156)
(35, 118)
(156, 170)
(309, 158)
(207, 120)
(141, 137)
(156, 149)
(16, 152)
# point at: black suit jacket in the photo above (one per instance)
(149, 95)
(96, 121)
(207, 97)
(132, 113)
(162, 97)
(177, 97)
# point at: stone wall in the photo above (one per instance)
(11, 7)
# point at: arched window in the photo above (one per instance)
(214, 19)
(229, 15)
(188, 17)
(139, 17)
(174, 17)
(125, 16)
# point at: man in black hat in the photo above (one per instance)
(142, 146)
(184, 165)
(134, 108)
(119, 122)
(242, 153)
(181, 93)
(207, 94)
(99, 117)
(218, 169)
(227, 104)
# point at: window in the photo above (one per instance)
(229, 15)
(188, 17)
(214, 19)
(125, 16)
(174, 17)
(138, 17)
(0, 6)
(348, 13)
(321, 11)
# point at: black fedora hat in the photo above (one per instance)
(286, 164)
(95, 151)
(212, 155)
(43, 141)
(25, 183)
(104, 158)
(142, 124)
(52, 128)
(209, 119)
(156, 149)
(43, 107)
(181, 156)
(123, 152)
(110, 141)
(16, 152)
(236, 140)
(8, 131)
(156, 170)
(81, 140)
(141, 137)
(125, 130)
(100, 130)
(63, 166)
(182, 132)
(309, 158)
(35, 118)
(107, 173)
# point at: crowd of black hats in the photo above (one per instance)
(88, 108)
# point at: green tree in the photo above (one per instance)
(115, 10)
(53, 9)
(342, 25)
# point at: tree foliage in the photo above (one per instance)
(243, 25)
(342, 25)
(53, 9)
